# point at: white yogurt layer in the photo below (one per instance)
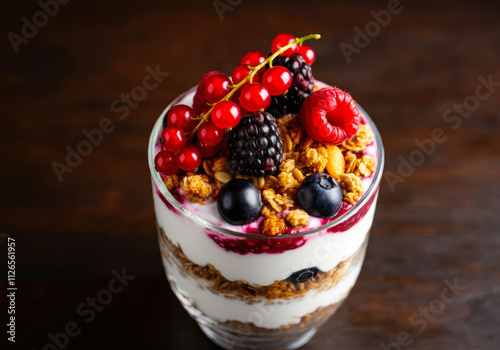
(268, 314)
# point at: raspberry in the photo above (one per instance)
(254, 147)
(199, 100)
(330, 115)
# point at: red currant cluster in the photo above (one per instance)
(220, 102)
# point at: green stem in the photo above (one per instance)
(252, 74)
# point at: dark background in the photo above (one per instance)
(440, 223)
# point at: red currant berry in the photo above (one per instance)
(216, 88)
(255, 97)
(226, 114)
(281, 40)
(308, 53)
(240, 73)
(236, 99)
(189, 158)
(253, 58)
(206, 151)
(204, 111)
(173, 139)
(165, 163)
(209, 134)
(277, 80)
(181, 116)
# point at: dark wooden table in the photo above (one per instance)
(437, 221)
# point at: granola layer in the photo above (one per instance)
(244, 291)
(312, 319)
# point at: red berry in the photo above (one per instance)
(189, 158)
(240, 73)
(281, 40)
(181, 116)
(199, 100)
(216, 88)
(277, 80)
(308, 53)
(253, 58)
(209, 134)
(204, 111)
(207, 151)
(173, 139)
(236, 99)
(165, 163)
(255, 97)
(330, 115)
(226, 114)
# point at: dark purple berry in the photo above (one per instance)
(303, 275)
(254, 147)
(239, 202)
(320, 195)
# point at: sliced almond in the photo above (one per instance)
(222, 176)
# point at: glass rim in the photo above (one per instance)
(160, 185)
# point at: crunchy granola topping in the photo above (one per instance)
(261, 181)
(288, 182)
(196, 188)
(296, 135)
(352, 187)
(288, 165)
(220, 164)
(297, 218)
(273, 226)
(358, 142)
(316, 158)
(306, 143)
(207, 166)
(284, 120)
(278, 202)
(287, 144)
(171, 182)
(273, 178)
(267, 211)
(360, 167)
(351, 160)
(366, 166)
(297, 174)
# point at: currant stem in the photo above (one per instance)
(251, 75)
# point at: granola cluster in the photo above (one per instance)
(302, 156)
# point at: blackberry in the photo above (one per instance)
(254, 146)
(301, 88)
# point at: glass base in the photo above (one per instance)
(233, 339)
(229, 341)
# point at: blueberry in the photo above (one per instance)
(303, 275)
(320, 195)
(239, 202)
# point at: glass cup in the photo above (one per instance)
(249, 291)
